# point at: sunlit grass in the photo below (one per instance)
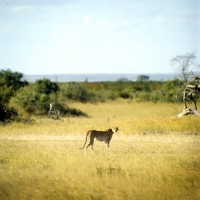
(142, 167)
(153, 156)
(129, 116)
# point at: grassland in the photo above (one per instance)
(153, 156)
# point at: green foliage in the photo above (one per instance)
(125, 95)
(18, 95)
(26, 99)
(10, 82)
(155, 91)
(7, 113)
(173, 84)
(46, 86)
(30, 100)
(77, 92)
(12, 79)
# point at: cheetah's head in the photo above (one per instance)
(115, 129)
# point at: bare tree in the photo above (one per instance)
(183, 62)
(53, 109)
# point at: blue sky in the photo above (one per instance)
(97, 36)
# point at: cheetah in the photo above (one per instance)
(103, 136)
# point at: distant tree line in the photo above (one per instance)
(20, 98)
(142, 78)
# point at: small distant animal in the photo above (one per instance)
(103, 136)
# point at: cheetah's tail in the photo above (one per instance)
(85, 140)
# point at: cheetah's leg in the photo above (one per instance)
(108, 146)
(90, 144)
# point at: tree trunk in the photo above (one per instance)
(189, 111)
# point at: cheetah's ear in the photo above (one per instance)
(115, 129)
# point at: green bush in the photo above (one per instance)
(77, 92)
(29, 100)
(125, 95)
(45, 86)
(10, 82)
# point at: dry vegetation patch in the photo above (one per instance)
(153, 156)
(141, 167)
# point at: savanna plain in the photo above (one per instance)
(154, 155)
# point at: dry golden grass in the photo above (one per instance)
(153, 156)
(130, 117)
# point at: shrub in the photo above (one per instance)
(77, 92)
(10, 82)
(46, 86)
(125, 95)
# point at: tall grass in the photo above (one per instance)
(144, 167)
(153, 156)
(131, 117)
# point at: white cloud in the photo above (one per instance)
(16, 9)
